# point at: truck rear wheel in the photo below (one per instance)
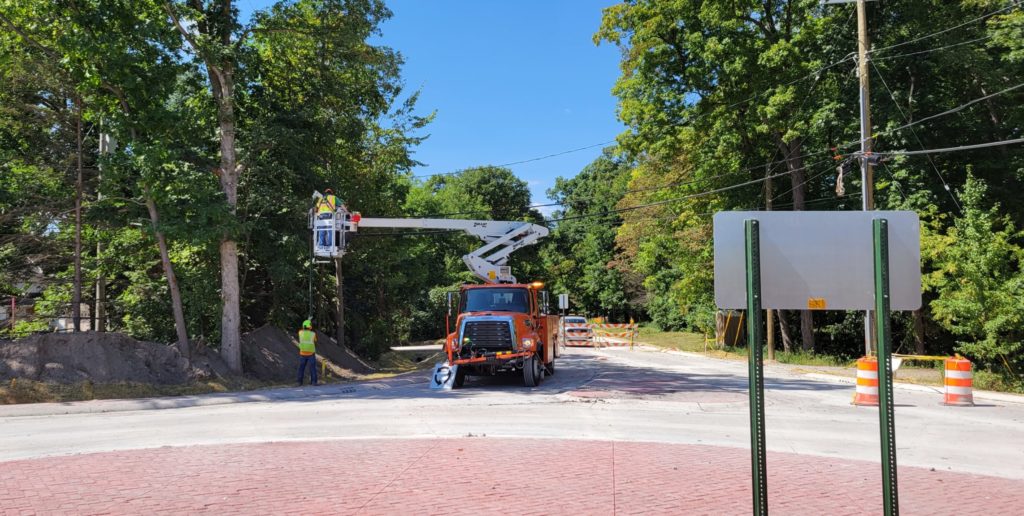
(531, 371)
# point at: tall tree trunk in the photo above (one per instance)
(787, 341)
(165, 258)
(230, 321)
(798, 178)
(220, 67)
(919, 331)
(172, 281)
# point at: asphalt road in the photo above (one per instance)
(612, 394)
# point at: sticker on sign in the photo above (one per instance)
(817, 260)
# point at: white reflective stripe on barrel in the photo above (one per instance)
(950, 389)
(963, 375)
(864, 373)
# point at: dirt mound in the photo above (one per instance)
(100, 358)
(271, 354)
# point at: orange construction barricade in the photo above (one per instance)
(959, 382)
(867, 382)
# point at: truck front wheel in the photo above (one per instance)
(531, 371)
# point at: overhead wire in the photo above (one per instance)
(816, 75)
(682, 198)
(520, 162)
(958, 148)
(896, 183)
(930, 50)
(943, 31)
(769, 166)
(892, 95)
(652, 188)
(957, 109)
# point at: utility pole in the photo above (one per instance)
(76, 295)
(340, 279)
(866, 169)
(771, 314)
(101, 281)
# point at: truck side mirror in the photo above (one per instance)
(449, 296)
(544, 302)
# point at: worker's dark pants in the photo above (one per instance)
(303, 362)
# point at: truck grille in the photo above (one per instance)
(489, 335)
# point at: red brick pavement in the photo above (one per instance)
(474, 476)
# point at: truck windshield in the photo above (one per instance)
(495, 300)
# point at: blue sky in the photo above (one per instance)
(510, 81)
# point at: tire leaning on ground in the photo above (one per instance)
(531, 375)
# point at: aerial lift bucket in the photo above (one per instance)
(444, 376)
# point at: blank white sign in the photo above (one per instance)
(820, 260)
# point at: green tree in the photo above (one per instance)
(979, 281)
(580, 252)
(731, 85)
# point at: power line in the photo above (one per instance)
(916, 137)
(937, 115)
(896, 183)
(930, 50)
(520, 162)
(815, 74)
(943, 31)
(953, 149)
(754, 208)
(682, 198)
(650, 188)
(475, 212)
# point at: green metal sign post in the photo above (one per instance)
(886, 419)
(759, 470)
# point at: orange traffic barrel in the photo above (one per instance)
(867, 382)
(959, 382)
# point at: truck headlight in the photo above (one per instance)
(527, 343)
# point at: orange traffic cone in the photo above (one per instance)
(867, 382)
(959, 382)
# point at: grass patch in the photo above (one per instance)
(811, 359)
(695, 343)
(989, 381)
(678, 340)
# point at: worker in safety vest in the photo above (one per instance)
(325, 211)
(307, 352)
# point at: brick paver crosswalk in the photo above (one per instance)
(476, 475)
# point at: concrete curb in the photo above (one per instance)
(203, 400)
(985, 395)
(1002, 397)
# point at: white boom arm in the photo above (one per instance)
(500, 236)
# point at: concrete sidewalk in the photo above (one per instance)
(477, 475)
